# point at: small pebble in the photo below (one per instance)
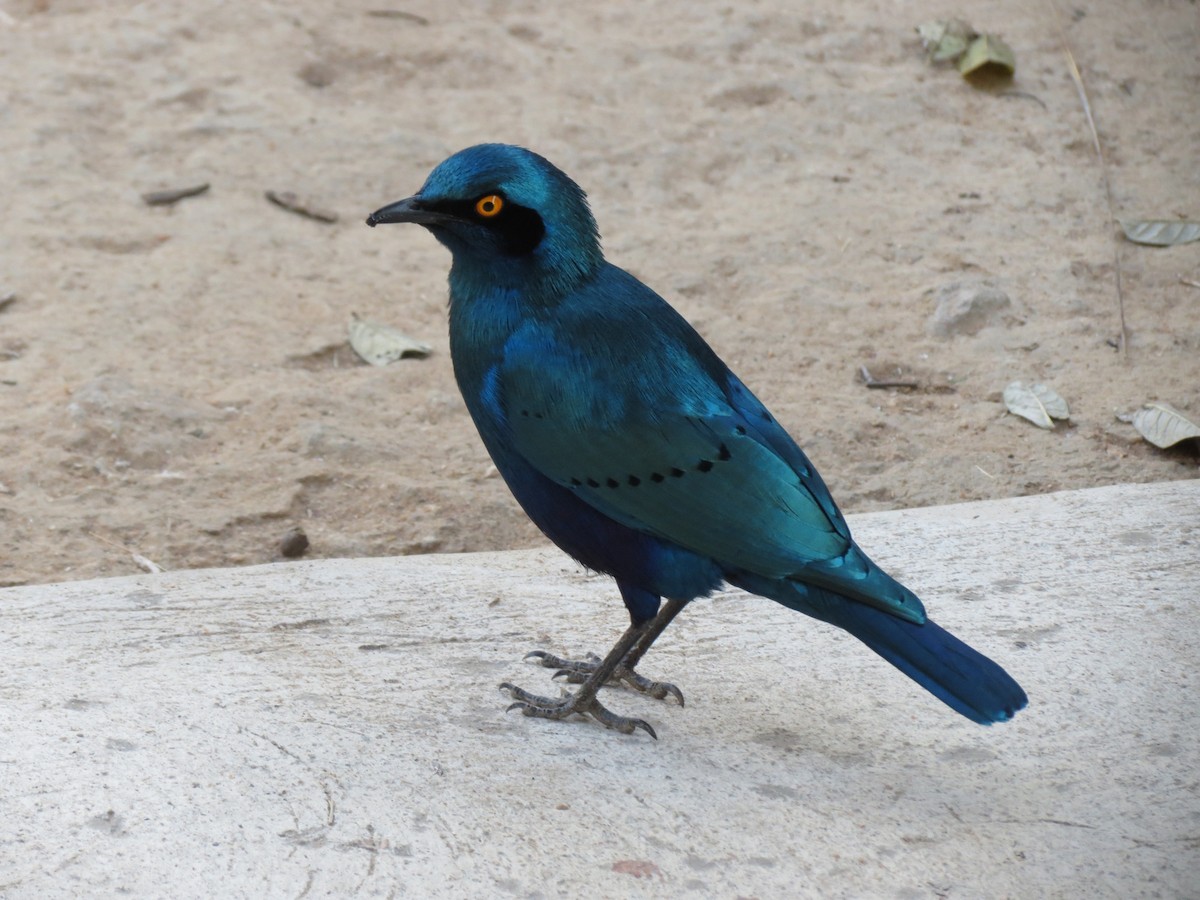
(317, 74)
(294, 543)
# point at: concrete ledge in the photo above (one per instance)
(333, 727)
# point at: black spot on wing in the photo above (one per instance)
(633, 480)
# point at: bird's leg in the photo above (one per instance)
(594, 673)
(577, 671)
(665, 617)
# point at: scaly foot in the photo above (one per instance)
(577, 671)
(571, 705)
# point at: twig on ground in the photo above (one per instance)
(173, 195)
(872, 382)
(142, 562)
(289, 201)
(1122, 342)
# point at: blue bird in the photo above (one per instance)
(632, 446)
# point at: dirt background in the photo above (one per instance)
(175, 381)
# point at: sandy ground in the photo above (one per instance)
(800, 182)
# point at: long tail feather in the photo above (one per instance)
(958, 675)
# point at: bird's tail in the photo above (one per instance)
(961, 677)
(958, 675)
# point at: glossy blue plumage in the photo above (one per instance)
(629, 442)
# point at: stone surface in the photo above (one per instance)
(966, 308)
(333, 728)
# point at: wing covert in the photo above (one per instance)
(695, 474)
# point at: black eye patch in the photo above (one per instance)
(518, 229)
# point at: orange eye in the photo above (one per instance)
(489, 206)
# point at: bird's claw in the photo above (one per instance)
(584, 666)
(577, 671)
(564, 707)
(659, 690)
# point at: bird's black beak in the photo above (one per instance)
(410, 210)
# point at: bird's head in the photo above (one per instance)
(509, 218)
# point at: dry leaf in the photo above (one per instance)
(1037, 403)
(1163, 425)
(382, 344)
(946, 39)
(988, 57)
(1161, 234)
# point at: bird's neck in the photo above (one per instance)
(538, 286)
(481, 323)
(488, 304)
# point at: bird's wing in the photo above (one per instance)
(661, 445)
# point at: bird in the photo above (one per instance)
(637, 451)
